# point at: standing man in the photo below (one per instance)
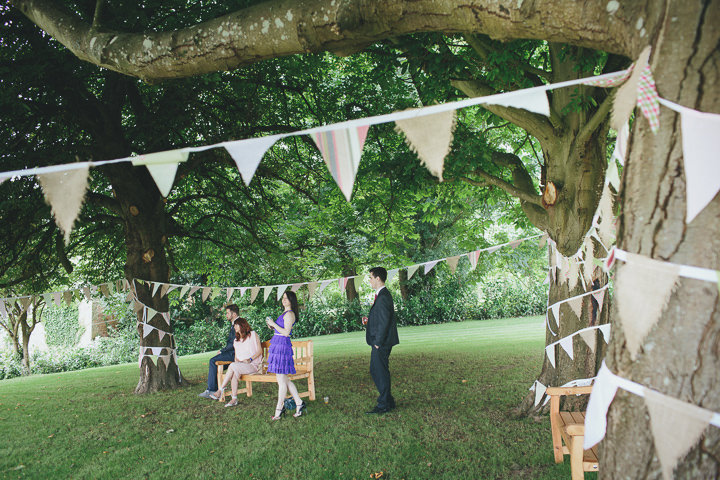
(227, 354)
(381, 335)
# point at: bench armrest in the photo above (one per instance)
(560, 391)
(575, 430)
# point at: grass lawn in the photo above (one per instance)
(454, 385)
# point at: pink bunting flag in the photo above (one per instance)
(342, 283)
(341, 149)
(648, 98)
(473, 257)
(248, 154)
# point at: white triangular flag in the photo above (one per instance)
(166, 316)
(57, 297)
(206, 293)
(676, 427)
(590, 337)
(281, 290)
(453, 263)
(491, 249)
(248, 154)
(532, 101)
(430, 137)
(612, 176)
(341, 149)
(430, 265)
(556, 313)
(576, 305)
(171, 288)
(229, 294)
(539, 392)
(185, 289)
(242, 291)
(391, 274)
(151, 312)
(312, 286)
(573, 273)
(642, 289)
(323, 286)
(603, 393)
(550, 352)
(193, 289)
(156, 350)
(296, 287)
(599, 298)
(268, 290)
(254, 293)
(605, 330)
(147, 329)
(65, 191)
(411, 271)
(164, 289)
(621, 144)
(162, 167)
(567, 344)
(155, 287)
(701, 144)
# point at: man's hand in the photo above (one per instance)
(364, 320)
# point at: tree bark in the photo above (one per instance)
(680, 356)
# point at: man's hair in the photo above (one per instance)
(233, 308)
(379, 272)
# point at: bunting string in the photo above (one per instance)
(687, 271)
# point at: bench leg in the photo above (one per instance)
(576, 458)
(311, 385)
(248, 388)
(220, 378)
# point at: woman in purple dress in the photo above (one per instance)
(280, 355)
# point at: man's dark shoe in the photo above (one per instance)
(377, 411)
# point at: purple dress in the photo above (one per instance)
(280, 354)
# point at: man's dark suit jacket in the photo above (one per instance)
(230, 346)
(381, 326)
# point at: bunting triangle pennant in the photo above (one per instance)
(214, 292)
(68, 296)
(430, 265)
(147, 329)
(170, 289)
(166, 317)
(567, 344)
(296, 286)
(205, 293)
(358, 282)
(556, 313)
(576, 306)
(3, 309)
(229, 294)
(573, 273)
(341, 149)
(550, 352)
(156, 350)
(151, 313)
(248, 154)
(605, 330)
(311, 289)
(542, 241)
(453, 263)
(589, 264)
(281, 290)
(701, 144)
(323, 286)
(676, 427)
(626, 96)
(473, 257)
(621, 144)
(254, 293)
(161, 334)
(642, 288)
(411, 271)
(430, 137)
(243, 290)
(65, 192)
(599, 298)
(648, 99)
(162, 167)
(155, 287)
(342, 283)
(137, 306)
(539, 392)
(86, 293)
(590, 337)
(25, 303)
(603, 393)
(57, 298)
(268, 290)
(391, 274)
(547, 279)
(185, 289)
(515, 243)
(612, 176)
(490, 250)
(164, 289)
(193, 289)
(533, 101)
(105, 290)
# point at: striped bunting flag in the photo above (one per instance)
(341, 149)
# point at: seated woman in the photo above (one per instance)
(248, 358)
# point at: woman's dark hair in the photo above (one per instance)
(244, 329)
(293, 304)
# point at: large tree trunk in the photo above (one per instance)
(680, 356)
(146, 225)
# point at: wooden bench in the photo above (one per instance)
(568, 433)
(303, 356)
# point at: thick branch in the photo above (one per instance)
(597, 119)
(285, 27)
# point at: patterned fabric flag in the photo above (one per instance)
(676, 427)
(65, 192)
(626, 97)
(576, 306)
(311, 289)
(701, 160)
(296, 287)
(612, 81)
(341, 149)
(430, 137)
(342, 283)
(248, 154)
(648, 99)
(473, 257)
(162, 167)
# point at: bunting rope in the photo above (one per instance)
(578, 296)
(687, 271)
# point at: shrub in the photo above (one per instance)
(62, 328)
(506, 297)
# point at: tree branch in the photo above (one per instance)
(597, 119)
(285, 27)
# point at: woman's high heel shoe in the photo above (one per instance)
(218, 395)
(300, 410)
(279, 412)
